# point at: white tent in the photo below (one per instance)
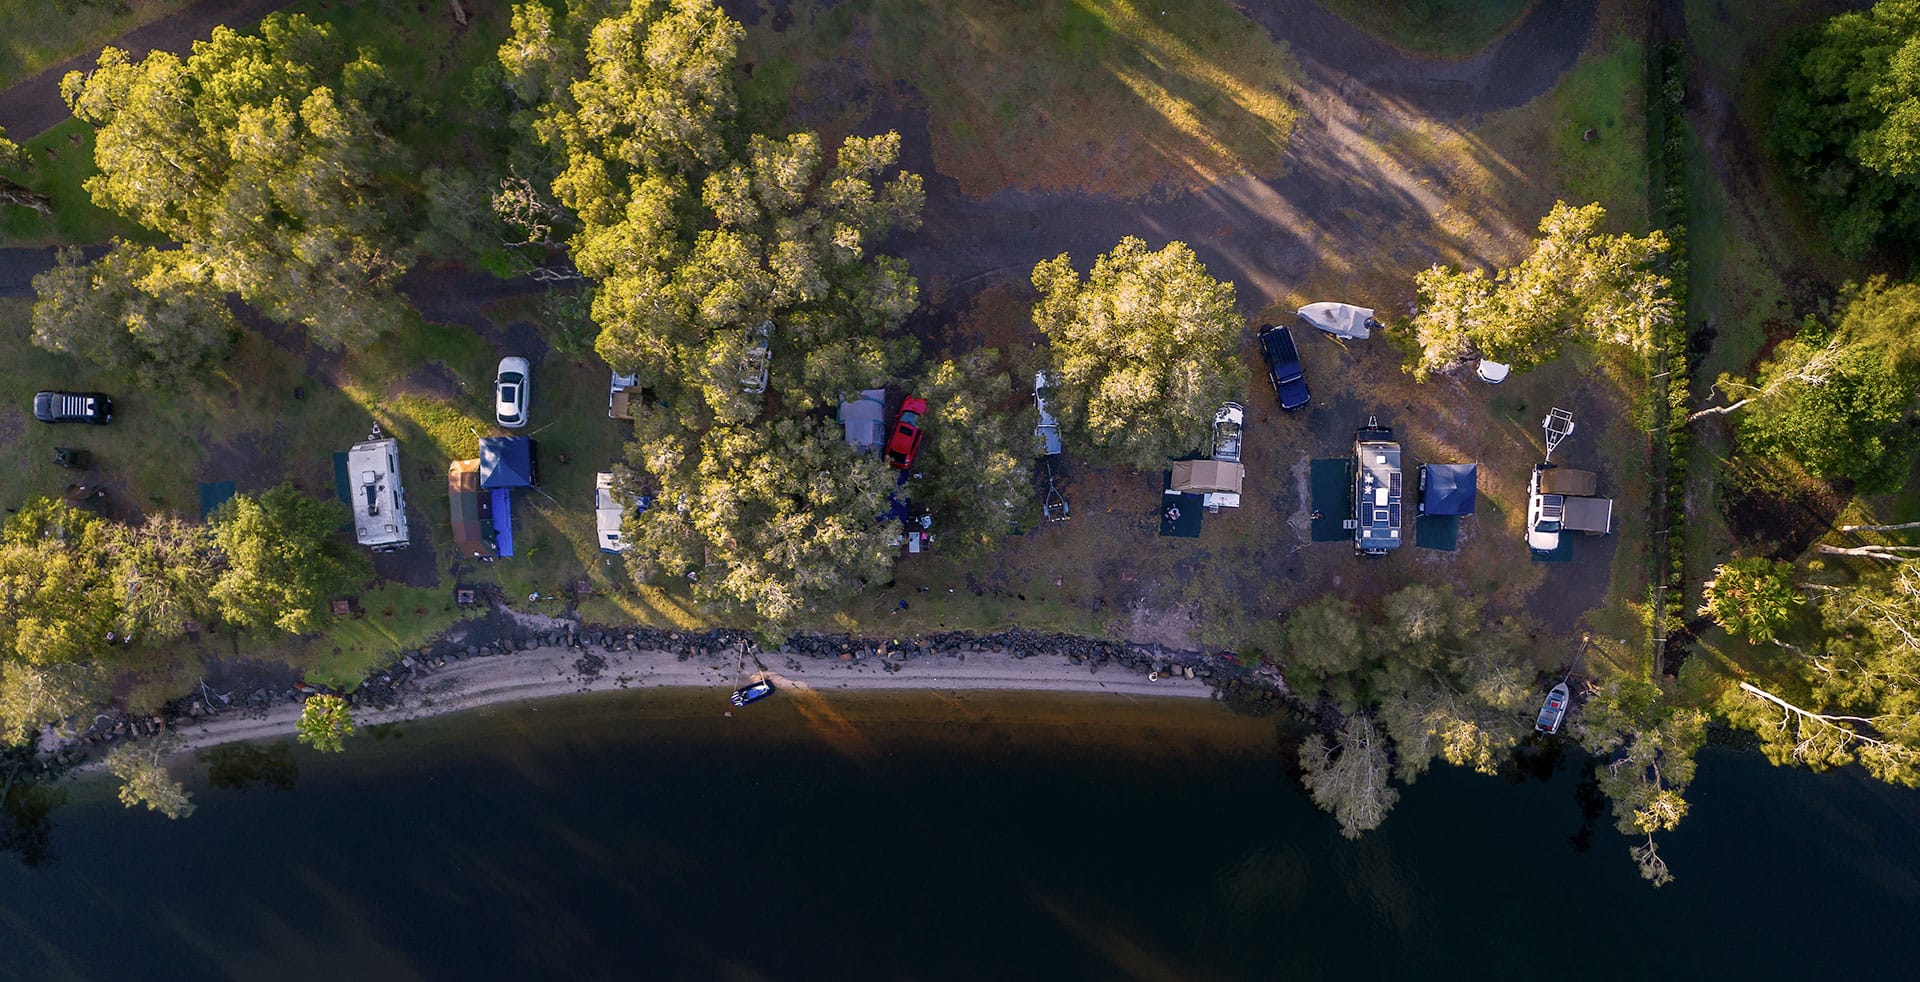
(1342, 320)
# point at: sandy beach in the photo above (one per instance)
(542, 673)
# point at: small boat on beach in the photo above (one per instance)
(753, 693)
(1554, 711)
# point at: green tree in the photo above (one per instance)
(284, 559)
(57, 596)
(148, 314)
(32, 696)
(1848, 124)
(769, 519)
(1327, 651)
(1144, 350)
(1752, 597)
(978, 458)
(1347, 773)
(1646, 752)
(161, 569)
(1854, 700)
(1848, 422)
(325, 724)
(779, 237)
(257, 154)
(13, 192)
(1579, 283)
(144, 778)
(692, 235)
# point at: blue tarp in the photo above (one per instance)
(1449, 489)
(503, 521)
(506, 462)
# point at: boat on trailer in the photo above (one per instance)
(1554, 711)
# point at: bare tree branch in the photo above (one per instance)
(1814, 372)
(1870, 552)
(1880, 528)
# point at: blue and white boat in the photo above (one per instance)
(753, 693)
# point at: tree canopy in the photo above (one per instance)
(1578, 283)
(258, 154)
(325, 724)
(57, 589)
(1848, 124)
(1645, 750)
(978, 459)
(148, 314)
(1838, 405)
(1427, 676)
(769, 519)
(1144, 350)
(1752, 597)
(12, 192)
(1852, 697)
(693, 236)
(144, 778)
(284, 559)
(778, 236)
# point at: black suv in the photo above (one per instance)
(1283, 367)
(73, 407)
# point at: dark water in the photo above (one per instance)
(644, 837)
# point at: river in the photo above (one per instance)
(644, 835)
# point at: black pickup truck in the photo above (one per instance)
(73, 407)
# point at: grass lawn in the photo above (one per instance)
(1443, 28)
(58, 163)
(37, 33)
(1119, 96)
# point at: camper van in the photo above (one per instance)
(379, 502)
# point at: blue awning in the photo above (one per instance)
(1449, 489)
(503, 521)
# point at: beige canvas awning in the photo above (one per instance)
(1207, 475)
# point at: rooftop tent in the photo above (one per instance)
(503, 521)
(471, 535)
(1208, 477)
(506, 462)
(1448, 489)
(865, 419)
(1342, 320)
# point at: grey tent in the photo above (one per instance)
(506, 462)
(1342, 320)
(1448, 489)
(865, 419)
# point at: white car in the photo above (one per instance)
(510, 385)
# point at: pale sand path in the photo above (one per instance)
(549, 672)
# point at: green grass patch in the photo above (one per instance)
(391, 618)
(35, 34)
(1599, 131)
(1444, 28)
(58, 163)
(1112, 95)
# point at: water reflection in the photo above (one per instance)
(971, 838)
